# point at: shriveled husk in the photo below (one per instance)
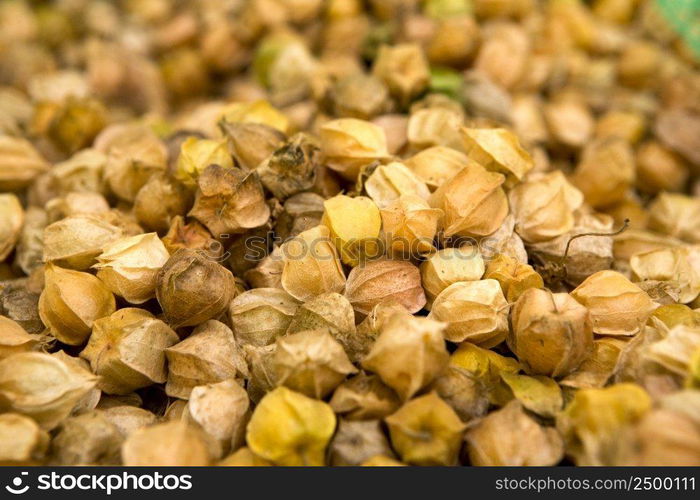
(82, 172)
(410, 226)
(364, 397)
(475, 311)
(292, 168)
(311, 265)
(409, 353)
(356, 441)
(159, 201)
(426, 431)
(510, 437)
(291, 429)
(551, 334)
(617, 306)
(126, 349)
(128, 266)
(592, 422)
(514, 277)
(672, 265)
(209, 355)
(311, 362)
(464, 392)
(71, 302)
(251, 143)
(261, 315)
(22, 441)
(172, 443)
(42, 387)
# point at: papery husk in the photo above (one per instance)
(486, 366)
(192, 288)
(426, 431)
(20, 304)
(333, 312)
(257, 111)
(168, 444)
(679, 129)
(349, 144)
(592, 422)
(435, 126)
(464, 392)
(473, 202)
(504, 54)
(383, 281)
(410, 225)
(617, 306)
(302, 211)
(354, 225)
(22, 441)
(11, 221)
(672, 265)
(21, 163)
(221, 410)
(229, 201)
(126, 350)
(437, 164)
(30, 246)
(544, 206)
(193, 236)
(78, 203)
(514, 277)
(290, 429)
(388, 183)
(77, 240)
(262, 373)
(603, 362)
(90, 400)
(634, 241)
(359, 95)
(569, 120)
(510, 437)
(71, 302)
(454, 40)
(409, 353)
(606, 171)
(42, 387)
(196, 155)
(82, 172)
(208, 356)
(268, 272)
(261, 315)
(357, 441)
(87, 439)
(503, 241)
(551, 334)
(129, 266)
(497, 150)
(475, 311)
(292, 168)
(159, 201)
(311, 265)
(404, 68)
(538, 394)
(364, 397)
(15, 339)
(128, 419)
(251, 143)
(676, 215)
(675, 351)
(448, 266)
(629, 125)
(484, 97)
(660, 169)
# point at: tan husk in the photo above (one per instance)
(356, 441)
(15, 339)
(448, 266)
(364, 397)
(22, 441)
(87, 439)
(11, 221)
(261, 315)
(168, 444)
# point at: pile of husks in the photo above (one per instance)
(345, 232)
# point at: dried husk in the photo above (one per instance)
(302, 211)
(196, 155)
(22, 441)
(349, 144)
(514, 277)
(251, 143)
(539, 394)
(592, 422)
(601, 364)
(20, 304)
(672, 265)
(448, 266)
(503, 241)
(261, 315)
(410, 226)
(510, 437)
(208, 356)
(82, 172)
(551, 333)
(676, 350)
(192, 288)
(617, 306)
(220, 410)
(473, 202)
(268, 272)
(464, 392)
(128, 419)
(77, 203)
(77, 240)
(159, 201)
(679, 129)
(15, 339)
(229, 201)
(354, 225)
(660, 169)
(435, 126)
(11, 221)
(426, 431)
(193, 236)
(606, 171)
(475, 311)
(175, 443)
(364, 397)
(291, 168)
(87, 439)
(676, 215)
(128, 266)
(569, 120)
(30, 246)
(42, 387)
(409, 353)
(71, 302)
(290, 429)
(21, 163)
(497, 150)
(382, 281)
(356, 441)
(388, 183)
(311, 362)
(127, 350)
(262, 374)
(311, 265)
(544, 206)
(359, 95)
(486, 366)
(437, 164)
(404, 69)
